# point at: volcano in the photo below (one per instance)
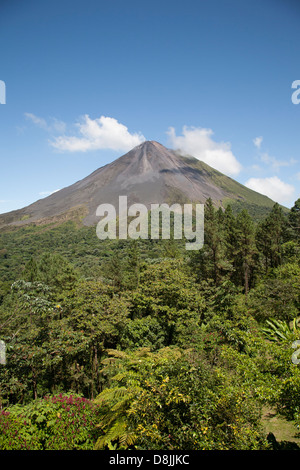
(148, 174)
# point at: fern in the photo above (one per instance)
(116, 436)
(128, 373)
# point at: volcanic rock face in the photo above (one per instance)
(148, 174)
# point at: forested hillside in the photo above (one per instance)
(144, 345)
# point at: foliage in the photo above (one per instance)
(143, 332)
(277, 295)
(172, 400)
(270, 235)
(294, 221)
(280, 331)
(143, 345)
(169, 294)
(54, 422)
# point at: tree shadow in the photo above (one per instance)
(281, 445)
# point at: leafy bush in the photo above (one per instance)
(172, 399)
(54, 422)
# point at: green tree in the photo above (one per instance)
(270, 236)
(294, 221)
(278, 295)
(231, 243)
(210, 262)
(143, 332)
(246, 248)
(41, 345)
(101, 314)
(168, 293)
(132, 265)
(113, 270)
(52, 270)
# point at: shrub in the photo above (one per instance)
(52, 423)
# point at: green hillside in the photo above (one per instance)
(239, 196)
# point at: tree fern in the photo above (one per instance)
(128, 375)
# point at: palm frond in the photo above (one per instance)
(279, 330)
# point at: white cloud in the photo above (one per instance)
(255, 167)
(269, 160)
(47, 193)
(102, 133)
(274, 163)
(198, 143)
(40, 122)
(272, 187)
(257, 142)
(55, 125)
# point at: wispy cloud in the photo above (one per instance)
(273, 187)
(53, 125)
(40, 122)
(198, 142)
(274, 163)
(269, 160)
(94, 134)
(257, 142)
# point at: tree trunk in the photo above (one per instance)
(34, 383)
(246, 276)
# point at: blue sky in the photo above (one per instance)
(88, 80)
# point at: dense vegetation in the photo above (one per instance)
(144, 345)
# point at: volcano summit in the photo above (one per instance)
(148, 174)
